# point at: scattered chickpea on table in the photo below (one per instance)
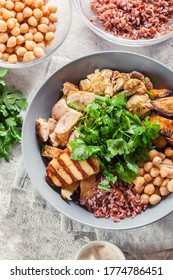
(26, 28)
(155, 177)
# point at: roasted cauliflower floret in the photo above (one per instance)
(99, 82)
(134, 86)
(141, 77)
(139, 104)
(120, 81)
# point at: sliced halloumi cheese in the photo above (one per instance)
(63, 171)
(67, 191)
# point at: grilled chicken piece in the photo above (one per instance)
(72, 135)
(86, 186)
(67, 191)
(159, 93)
(53, 139)
(139, 104)
(50, 152)
(65, 125)
(42, 129)
(52, 124)
(80, 99)
(166, 125)
(67, 87)
(59, 109)
(63, 171)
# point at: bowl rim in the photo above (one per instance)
(20, 65)
(152, 220)
(119, 40)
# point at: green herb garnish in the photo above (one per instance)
(114, 135)
(11, 104)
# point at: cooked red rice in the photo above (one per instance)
(135, 19)
(119, 203)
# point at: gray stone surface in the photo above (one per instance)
(29, 227)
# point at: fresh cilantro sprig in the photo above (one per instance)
(118, 138)
(11, 104)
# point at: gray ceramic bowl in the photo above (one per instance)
(41, 105)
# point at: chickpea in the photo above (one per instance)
(53, 18)
(49, 36)
(10, 50)
(29, 2)
(149, 189)
(3, 26)
(147, 166)
(44, 20)
(169, 152)
(138, 189)
(141, 172)
(27, 12)
(13, 14)
(158, 181)
(45, 11)
(11, 42)
(2, 48)
(9, 5)
(43, 28)
(21, 51)
(30, 45)
(153, 153)
(11, 23)
(15, 31)
(18, 6)
(139, 181)
(24, 28)
(53, 8)
(7, 14)
(41, 45)
(52, 27)
(167, 161)
(170, 185)
(37, 13)
(29, 56)
(5, 57)
(162, 155)
(29, 36)
(2, 3)
(154, 199)
(148, 178)
(39, 52)
(38, 37)
(164, 171)
(32, 30)
(38, 3)
(20, 17)
(3, 37)
(155, 172)
(20, 40)
(165, 183)
(170, 175)
(12, 59)
(164, 191)
(157, 161)
(144, 199)
(32, 21)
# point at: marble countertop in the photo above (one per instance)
(29, 227)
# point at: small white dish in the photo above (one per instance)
(100, 250)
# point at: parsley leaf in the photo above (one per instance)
(11, 104)
(118, 138)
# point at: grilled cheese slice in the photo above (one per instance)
(63, 171)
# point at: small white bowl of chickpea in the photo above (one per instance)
(31, 30)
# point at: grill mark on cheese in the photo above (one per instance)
(67, 170)
(54, 172)
(80, 169)
(91, 163)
